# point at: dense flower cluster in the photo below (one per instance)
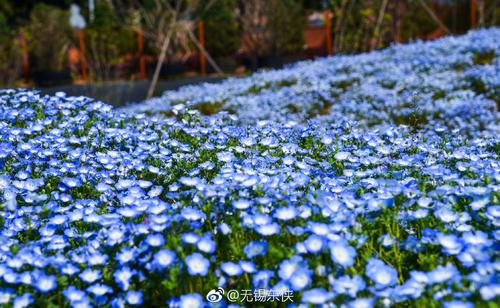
(104, 208)
(449, 83)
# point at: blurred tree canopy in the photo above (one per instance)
(49, 35)
(221, 26)
(259, 28)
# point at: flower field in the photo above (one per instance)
(356, 181)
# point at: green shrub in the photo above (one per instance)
(107, 40)
(9, 54)
(222, 36)
(49, 35)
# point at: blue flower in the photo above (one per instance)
(381, 274)
(314, 243)
(268, 229)
(193, 300)
(443, 273)
(231, 268)
(286, 213)
(348, 285)
(342, 253)
(133, 297)
(260, 280)
(164, 258)
(255, 249)
(197, 264)
(155, 240)
(316, 296)
(206, 244)
(45, 283)
(90, 275)
(457, 304)
(99, 289)
(23, 301)
(74, 294)
(301, 278)
(122, 277)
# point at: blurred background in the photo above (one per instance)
(126, 50)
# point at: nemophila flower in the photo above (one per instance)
(197, 264)
(99, 289)
(128, 212)
(451, 243)
(255, 248)
(133, 297)
(155, 191)
(300, 279)
(267, 230)
(231, 268)
(348, 285)
(123, 276)
(224, 228)
(479, 203)
(164, 258)
(248, 266)
(316, 296)
(286, 213)
(71, 182)
(97, 259)
(114, 303)
(342, 253)
(115, 236)
(189, 181)
(443, 274)
(155, 240)
(490, 292)
(457, 304)
(260, 280)
(314, 243)
(206, 244)
(126, 255)
(4, 181)
(361, 303)
(410, 289)
(477, 238)
(73, 294)
(446, 215)
(381, 274)
(190, 238)
(341, 156)
(22, 301)
(90, 275)
(387, 240)
(289, 266)
(193, 214)
(242, 204)
(45, 283)
(193, 300)
(5, 296)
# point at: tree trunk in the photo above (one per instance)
(376, 31)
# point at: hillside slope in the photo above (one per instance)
(452, 82)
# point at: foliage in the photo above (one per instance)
(287, 25)
(222, 35)
(9, 54)
(49, 37)
(272, 27)
(108, 39)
